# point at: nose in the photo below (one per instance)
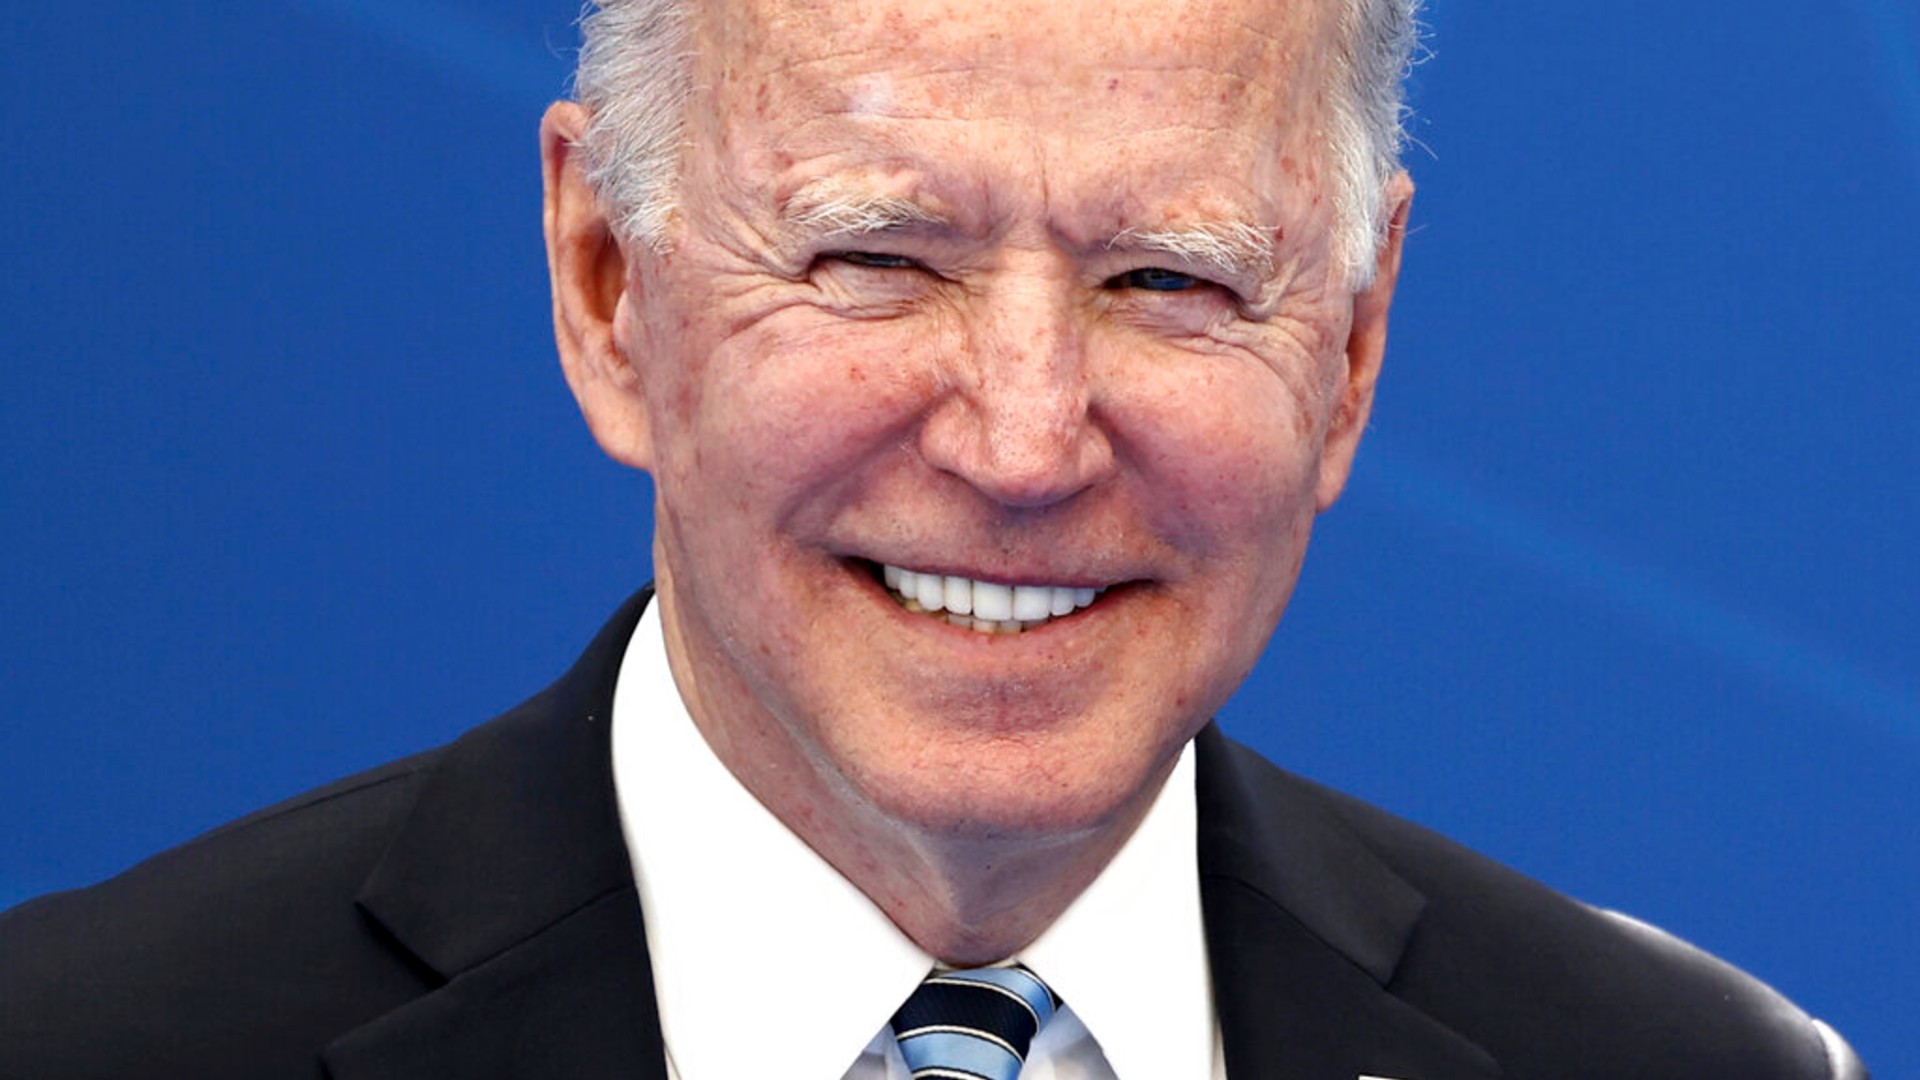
(1019, 423)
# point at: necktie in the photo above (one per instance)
(972, 1025)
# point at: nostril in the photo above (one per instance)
(1021, 455)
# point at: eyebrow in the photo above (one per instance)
(835, 209)
(1234, 248)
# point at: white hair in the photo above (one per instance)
(1366, 126)
(635, 74)
(825, 207)
(1233, 248)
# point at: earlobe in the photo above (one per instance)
(588, 271)
(1366, 347)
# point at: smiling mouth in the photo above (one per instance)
(984, 606)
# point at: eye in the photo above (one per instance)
(876, 259)
(1156, 279)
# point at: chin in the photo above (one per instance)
(1011, 789)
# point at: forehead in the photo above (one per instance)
(1034, 37)
(1077, 90)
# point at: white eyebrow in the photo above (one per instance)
(832, 209)
(1234, 248)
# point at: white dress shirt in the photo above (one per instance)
(767, 962)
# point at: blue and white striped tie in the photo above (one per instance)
(972, 1025)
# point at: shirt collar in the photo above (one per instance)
(748, 927)
(1130, 954)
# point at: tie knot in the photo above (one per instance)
(972, 1025)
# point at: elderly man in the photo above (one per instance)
(993, 359)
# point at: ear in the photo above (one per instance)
(590, 304)
(1366, 345)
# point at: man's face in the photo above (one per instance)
(1013, 294)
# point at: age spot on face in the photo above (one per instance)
(870, 96)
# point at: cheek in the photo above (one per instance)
(664, 344)
(798, 401)
(1230, 451)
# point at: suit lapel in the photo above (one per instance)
(509, 884)
(1305, 927)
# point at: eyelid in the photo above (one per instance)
(1132, 279)
(1199, 282)
(875, 260)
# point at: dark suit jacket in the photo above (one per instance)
(470, 912)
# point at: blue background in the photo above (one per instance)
(1622, 593)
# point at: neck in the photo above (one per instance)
(973, 900)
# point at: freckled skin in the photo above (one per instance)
(1006, 406)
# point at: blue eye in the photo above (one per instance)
(1156, 279)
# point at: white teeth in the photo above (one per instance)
(1032, 602)
(931, 591)
(1061, 601)
(992, 602)
(984, 606)
(959, 595)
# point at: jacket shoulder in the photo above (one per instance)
(244, 952)
(1551, 986)
(252, 920)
